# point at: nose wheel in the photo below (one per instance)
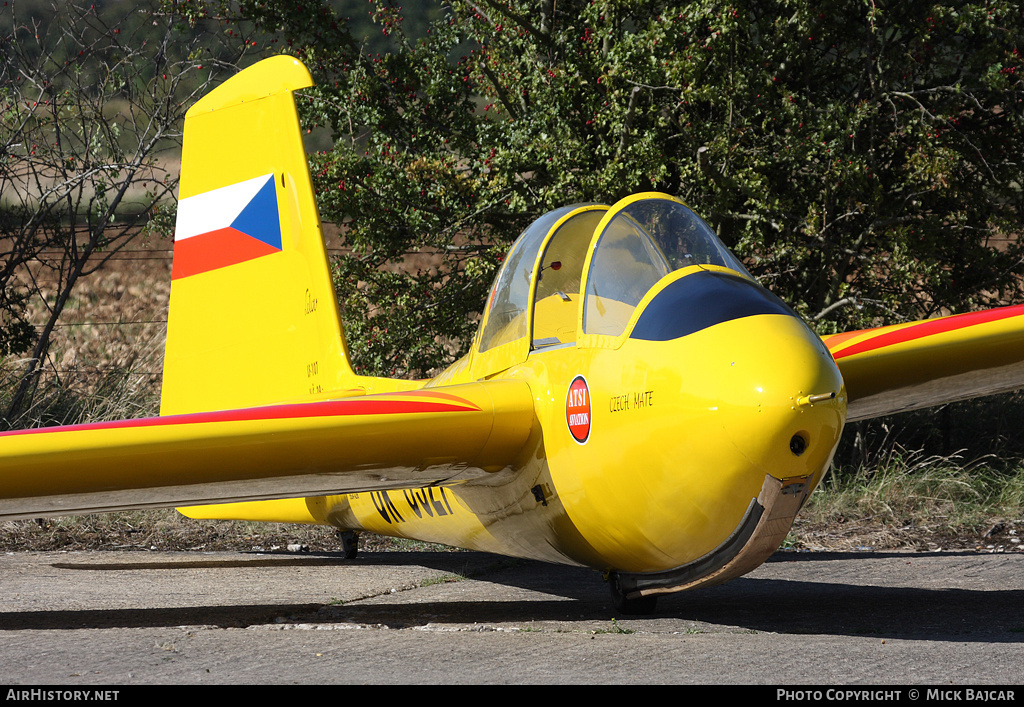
(627, 605)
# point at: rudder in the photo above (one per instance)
(253, 317)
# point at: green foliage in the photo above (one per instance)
(863, 157)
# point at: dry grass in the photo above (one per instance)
(106, 353)
(908, 499)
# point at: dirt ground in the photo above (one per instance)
(166, 530)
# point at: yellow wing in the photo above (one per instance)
(400, 440)
(918, 364)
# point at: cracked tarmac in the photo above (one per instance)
(104, 618)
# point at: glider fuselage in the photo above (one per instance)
(651, 464)
(658, 427)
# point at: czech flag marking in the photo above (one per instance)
(226, 226)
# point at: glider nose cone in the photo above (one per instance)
(785, 403)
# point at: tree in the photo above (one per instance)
(91, 103)
(863, 157)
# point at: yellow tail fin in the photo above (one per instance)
(253, 317)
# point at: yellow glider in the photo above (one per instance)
(633, 401)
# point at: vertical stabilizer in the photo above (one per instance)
(253, 317)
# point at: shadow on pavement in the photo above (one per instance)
(576, 595)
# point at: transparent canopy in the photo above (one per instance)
(643, 242)
(506, 307)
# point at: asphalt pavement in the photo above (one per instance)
(951, 618)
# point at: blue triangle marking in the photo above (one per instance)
(260, 218)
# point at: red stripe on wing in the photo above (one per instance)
(332, 408)
(930, 327)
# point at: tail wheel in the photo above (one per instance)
(349, 543)
(629, 606)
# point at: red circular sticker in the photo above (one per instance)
(577, 409)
